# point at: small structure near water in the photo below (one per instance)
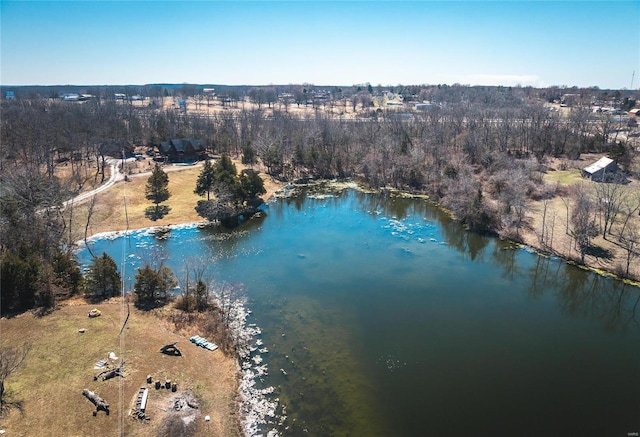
(202, 342)
(603, 170)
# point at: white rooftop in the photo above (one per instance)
(598, 165)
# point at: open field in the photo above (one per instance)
(60, 364)
(109, 209)
(565, 177)
(337, 108)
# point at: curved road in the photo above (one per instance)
(114, 165)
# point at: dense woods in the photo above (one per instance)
(481, 152)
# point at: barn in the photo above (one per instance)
(602, 170)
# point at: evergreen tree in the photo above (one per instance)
(202, 295)
(153, 284)
(169, 281)
(103, 279)
(234, 195)
(251, 184)
(18, 281)
(157, 189)
(148, 283)
(67, 271)
(226, 173)
(206, 180)
(249, 156)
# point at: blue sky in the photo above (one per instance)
(539, 43)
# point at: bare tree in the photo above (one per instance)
(547, 196)
(195, 285)
(10, 360)
(631, 205)
(610, 197)
(566, 201)
(630, 241)
(583, 221)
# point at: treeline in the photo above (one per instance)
(479, 151)
(300, 93)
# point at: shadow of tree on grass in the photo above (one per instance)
(156, 212)
(7, 406)
(598, 252)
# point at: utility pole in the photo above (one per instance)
(632, 76)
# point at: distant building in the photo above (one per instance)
(10, 95)
(71, 97)
(603, 170)
(182, 150)
(75, 97)
(423, 106)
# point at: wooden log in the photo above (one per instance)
(100, 403)
(148, 379)
(167, 384)
(174, 387)
(158, 384)
(108, 374)
(113, 373)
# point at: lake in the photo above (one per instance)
(383, 317)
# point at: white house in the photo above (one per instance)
(601, 170)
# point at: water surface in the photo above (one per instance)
(383, 317)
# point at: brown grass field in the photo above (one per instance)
(60, 364)
(109, 213)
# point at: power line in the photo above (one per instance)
(123, 297)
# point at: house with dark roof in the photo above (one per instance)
(182, 150)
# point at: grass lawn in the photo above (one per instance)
(109, 209)
(60, 364)
(565, 177)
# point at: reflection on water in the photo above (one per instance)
(384, 317)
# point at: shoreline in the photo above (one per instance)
(539, 251)
(254, 405)
(527, 234)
